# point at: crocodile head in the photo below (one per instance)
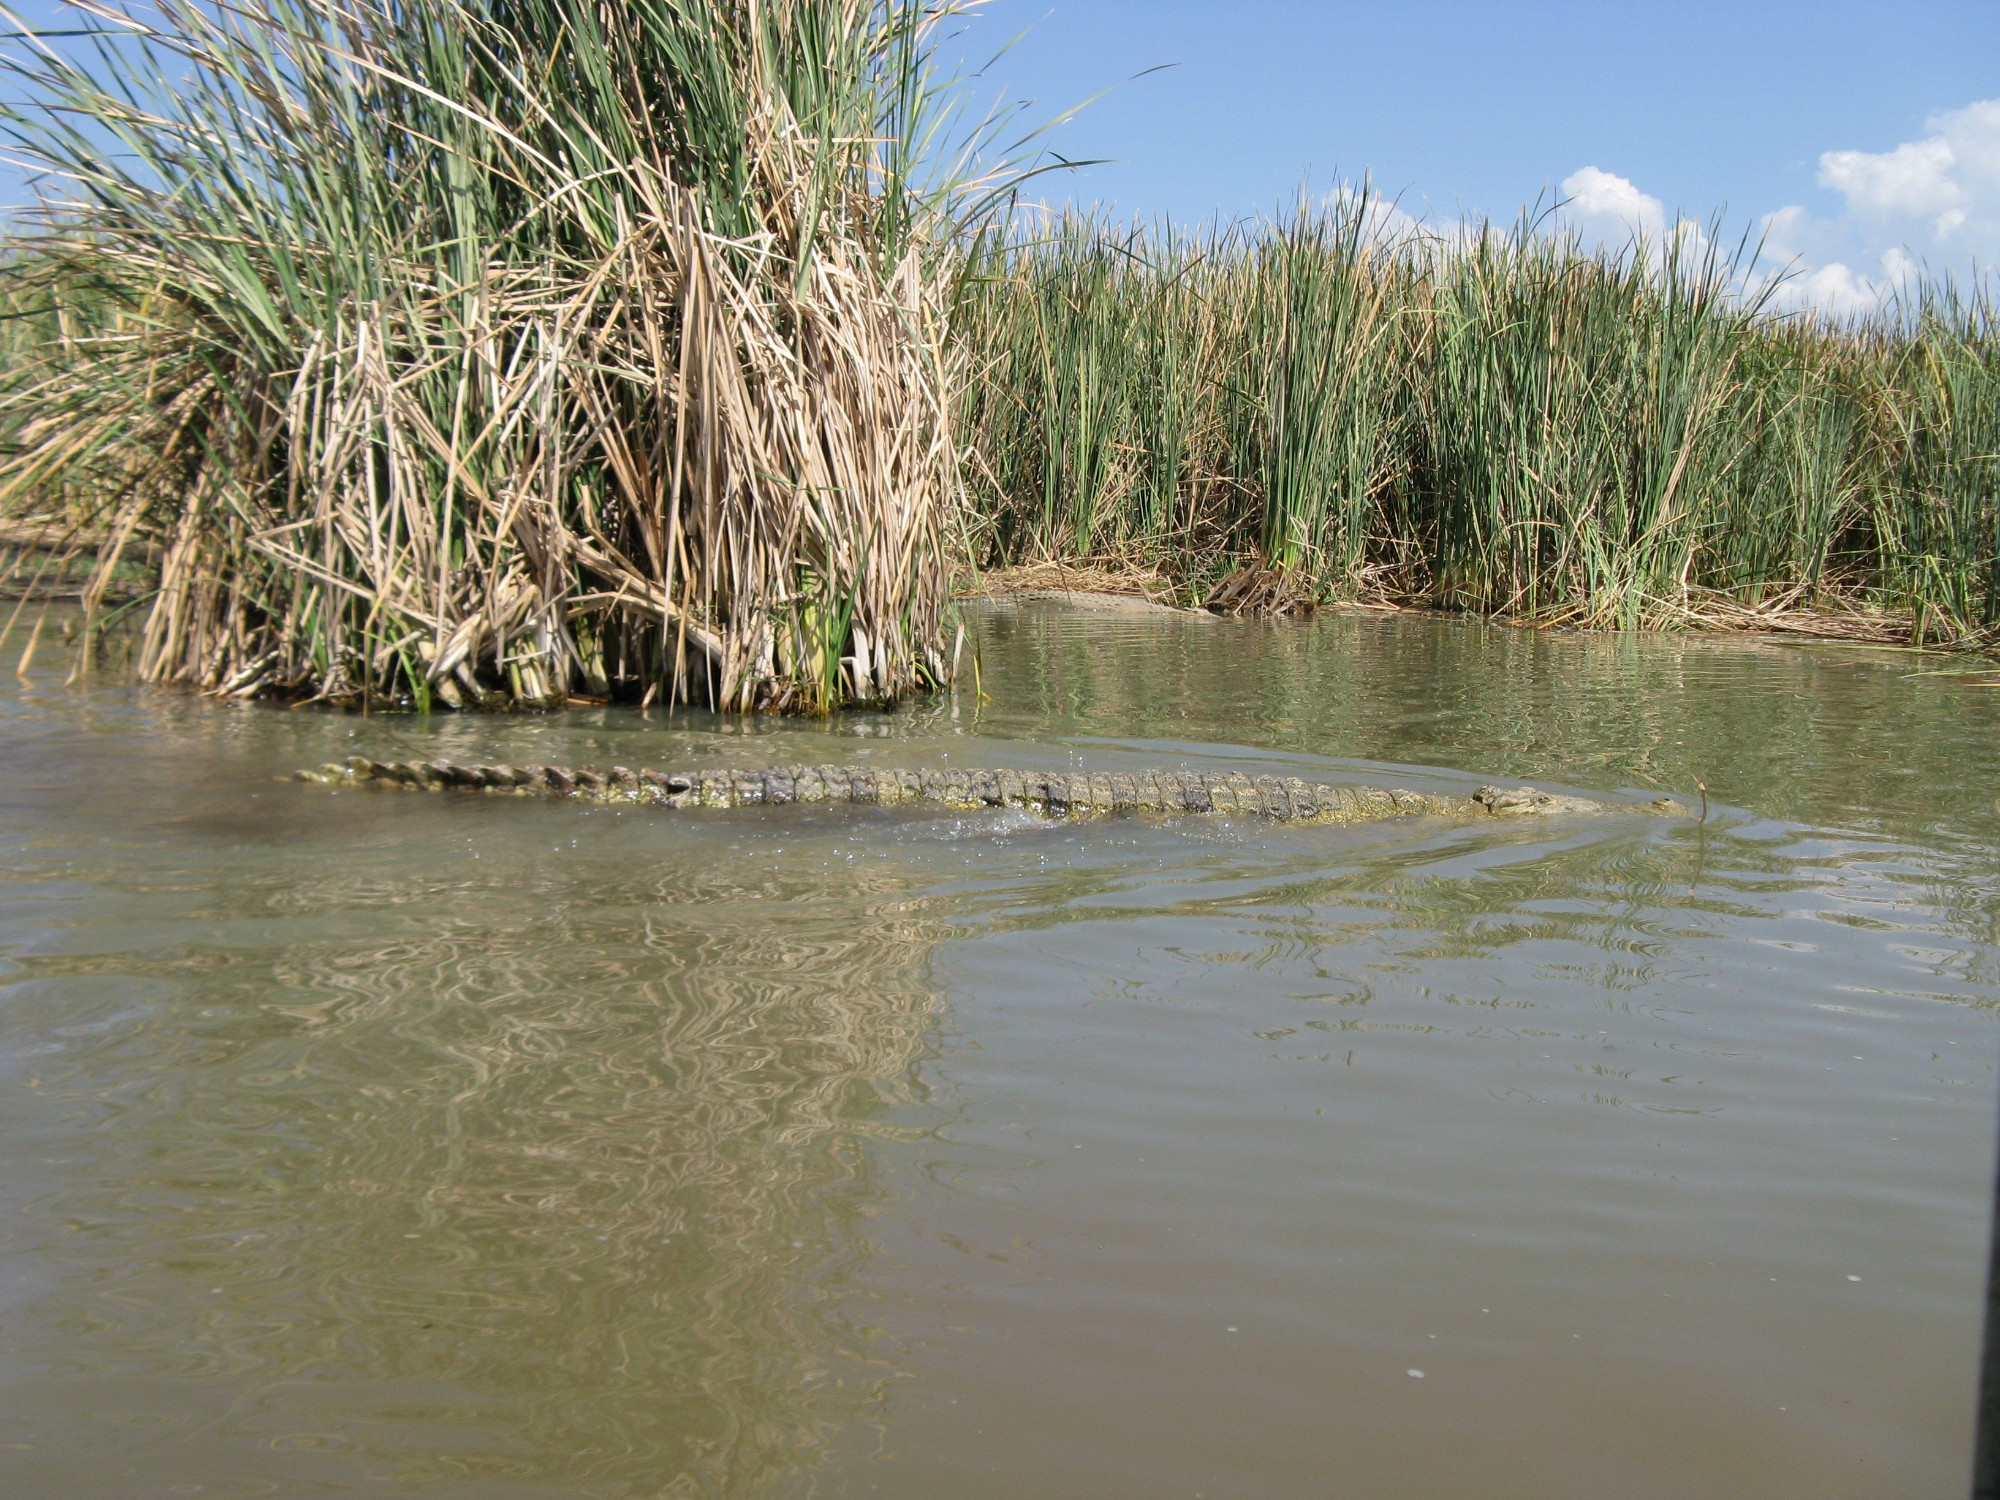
(1516, 801)
(1529, 802)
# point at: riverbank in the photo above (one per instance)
(44, 565)
(1109, 586)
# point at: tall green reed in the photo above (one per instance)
(1938, 513)
(1504, 422)
(1314, 426)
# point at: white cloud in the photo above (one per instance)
(1930, 205)
(1597, 201)
(1937, 198)
(1914, 180)
(1602, 209)
(1835, 288)
(1386, 224)
(1973, 134)
(1924, 207)
(1389, 223)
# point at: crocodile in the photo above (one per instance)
(1285, 799)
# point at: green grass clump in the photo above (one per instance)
(1503, 422)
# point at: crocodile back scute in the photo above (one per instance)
(1287, 799)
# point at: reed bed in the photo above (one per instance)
(505, 352)
(495, 352)
(1501, 422)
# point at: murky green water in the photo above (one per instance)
(361, 1144)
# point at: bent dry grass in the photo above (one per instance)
(494, 351)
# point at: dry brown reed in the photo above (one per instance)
(774, 483)
(489, 389)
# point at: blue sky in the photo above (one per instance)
(1481, 108)
(1853, 130)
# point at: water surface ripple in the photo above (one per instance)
(362, 1144)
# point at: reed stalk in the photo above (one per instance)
(1510, 423)
(499, 351)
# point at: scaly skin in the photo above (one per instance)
(1284, 799)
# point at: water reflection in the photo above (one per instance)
(1815, 734)
(365, 1144)
(450, 1161)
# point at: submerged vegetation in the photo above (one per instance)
(501, 352)
(1505, 423)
